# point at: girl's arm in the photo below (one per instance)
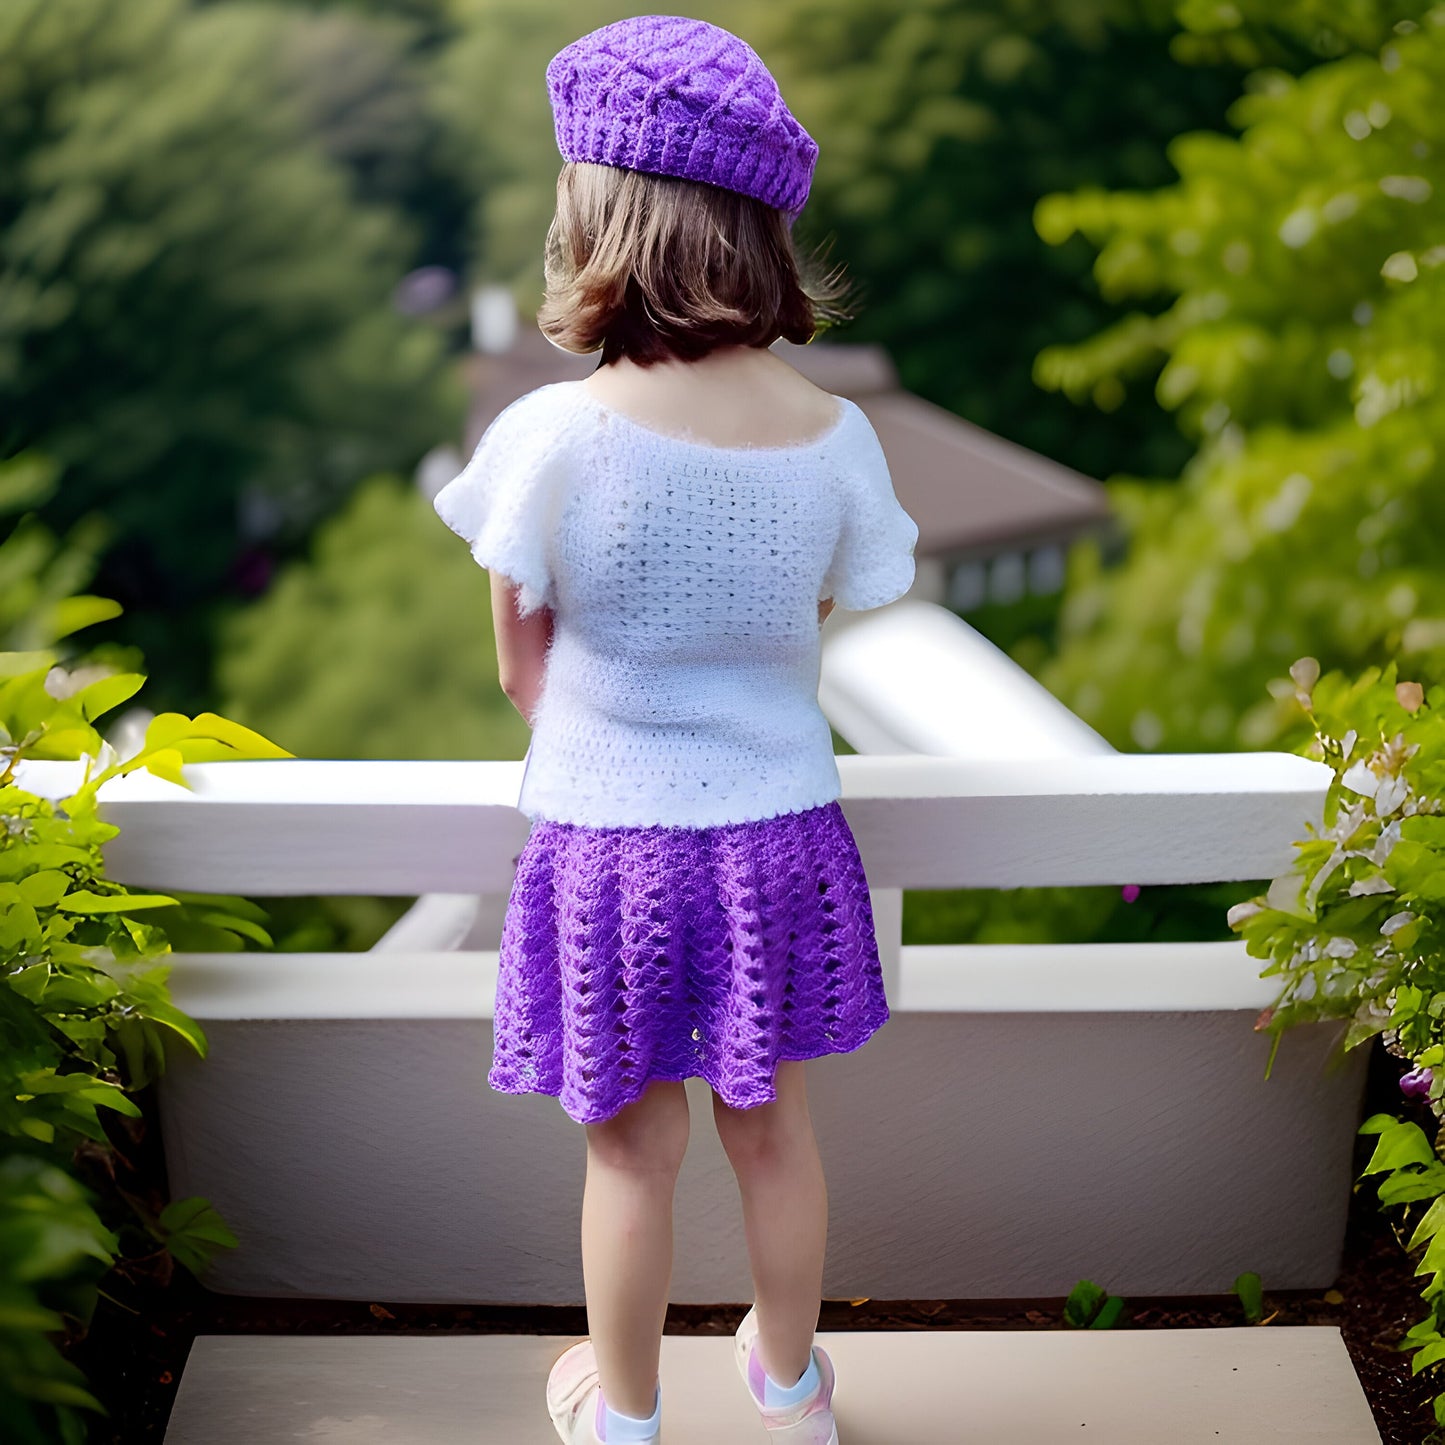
(522, 644)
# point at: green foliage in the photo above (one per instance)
(360, 76)
(41, 575)
(85, 1013)
(1299, 347)
(53, 1248)
(940, 127)
(193, 307)
(380, 645)
(488, 89)
(1356, 929)
(1413, 1173)
(1091, 1307)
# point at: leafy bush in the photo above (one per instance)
(1356, 929)
(84, 1012)
(1288, 310)
(196, 310)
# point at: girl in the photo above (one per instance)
(665, 539)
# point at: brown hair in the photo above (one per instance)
(649, 267)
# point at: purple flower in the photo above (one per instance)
(1416, 1084)
(1130, 892)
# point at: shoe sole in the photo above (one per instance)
(743, 1338)
(567, 1387)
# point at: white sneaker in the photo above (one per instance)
(574, 1397)
(810, 1421)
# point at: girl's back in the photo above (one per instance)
(684, 577)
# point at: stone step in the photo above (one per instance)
(1243, 1386)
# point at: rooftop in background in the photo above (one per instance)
(974, 495)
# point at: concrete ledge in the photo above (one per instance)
(969, 1156)
(1019, 1387)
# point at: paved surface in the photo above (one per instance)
(1241, 1386)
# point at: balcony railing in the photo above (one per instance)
(1029, 1116)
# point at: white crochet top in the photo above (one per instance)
(681, 686)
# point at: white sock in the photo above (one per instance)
(618, 1429)
(776, 1394)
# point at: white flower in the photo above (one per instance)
(1396, 921)
(1359, 778)
(1390, 794)
(1375, 883)
(1242, 911)
(1341, 948)
(1385, 843)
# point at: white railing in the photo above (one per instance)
(1030, 1115)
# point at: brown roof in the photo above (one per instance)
(971, 492)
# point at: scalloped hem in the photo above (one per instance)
(599, 1113)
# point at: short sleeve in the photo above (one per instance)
(873, 561)
(505, 502)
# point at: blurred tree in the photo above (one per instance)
(1301, 352)
(490, 87)
(380, 645)
(940, 125)
(360, 75)
(193, 309)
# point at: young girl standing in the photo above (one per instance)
(665, 539)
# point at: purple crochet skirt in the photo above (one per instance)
(635, 954)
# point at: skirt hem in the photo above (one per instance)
(870, 1027)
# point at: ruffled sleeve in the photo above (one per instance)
(873, 561)
(506, 501)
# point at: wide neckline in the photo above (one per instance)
(708, 448)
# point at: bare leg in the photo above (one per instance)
(632, 1165)
(785, 1214)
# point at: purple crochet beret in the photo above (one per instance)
(679, 97)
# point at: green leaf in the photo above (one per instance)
(1109, 1313)
(71, 614)
(194, 1233)
(1083, 1302)
(1429, 1225)
(1400, 1144)
(20, 1315)
(233, 924)
(1378, 1123)
(108, 692)
(85, 901)
(1250, 1290)
(1408, 1185)
(44, 888)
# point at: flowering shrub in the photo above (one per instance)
(84, 1010)
(1356, 931)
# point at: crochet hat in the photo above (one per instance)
(679, 97)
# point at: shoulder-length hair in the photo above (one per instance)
(651, 267)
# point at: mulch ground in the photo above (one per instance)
(137, 1346)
